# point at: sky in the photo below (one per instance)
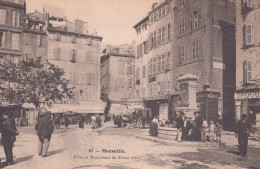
(112, 19)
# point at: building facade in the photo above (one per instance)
(117, 74)
(204, 45)
(77, 52)
(35, 37)
(154, 57)
(11, 28)
(247, 95)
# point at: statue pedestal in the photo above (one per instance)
(187, 93)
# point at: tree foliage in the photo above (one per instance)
(33, 82)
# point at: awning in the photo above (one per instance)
(80, 107)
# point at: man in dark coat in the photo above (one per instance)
(9, 133)
(81, 121)
(44, 128)
(197, 126)
(180, 126)
(66, 121)
(242, 133)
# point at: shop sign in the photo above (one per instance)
(155, 97)
(247, 95)
(69, 102)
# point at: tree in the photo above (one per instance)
(33, 82)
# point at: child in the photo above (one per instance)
(218, 132)
(204, 130)
(212, 129)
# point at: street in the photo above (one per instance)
(119, 148)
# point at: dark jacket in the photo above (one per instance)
(44, 127)
(9, 131)
(198, 122)
(189, 125)
(180, 123)
(242, 127)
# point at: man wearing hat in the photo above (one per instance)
(44, 129)
(180, 126)
(9, 133)
(242, 133)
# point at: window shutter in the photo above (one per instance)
(245, 72)
(18, 19)
(199, 16)
(244, 35)
(13, 18)
(3, 39)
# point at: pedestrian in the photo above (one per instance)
(242, 134)
(66, 121)
(189, 127)
(57, 122)
(251, 118)
(120, 121)
(185, 131)
(81, 121)
(9, 133)
(219, 128)
(204, 130)
(197, 127)
(44, 129)
(180, 126)
(212, 130)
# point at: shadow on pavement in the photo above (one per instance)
(50, 153)
(222, 156)
(22, 159)
(233, 152)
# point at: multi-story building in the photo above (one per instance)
(35, 37)
(11, 28)
(154, 57)
(77, 52)
(34, 45)
(204, 46)
(247, 95)
(117, 74)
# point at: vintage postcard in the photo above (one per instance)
(129, 84)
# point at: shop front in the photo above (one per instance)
(247, 100)
(159, 104)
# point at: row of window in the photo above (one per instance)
(141, 28)
(159, 88)
(89, 55)
(15, 40)
(84, 78)
(123, 83)
(161, 12)
(74, 39)
(196, 21)
(125, 68)
(40, 39)
(160, 36)
(15, 17)
(195, 51)
(159, 63)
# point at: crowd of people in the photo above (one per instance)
(198, 129)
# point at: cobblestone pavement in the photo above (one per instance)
(76, 148)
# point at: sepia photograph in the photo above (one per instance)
(130, 84)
